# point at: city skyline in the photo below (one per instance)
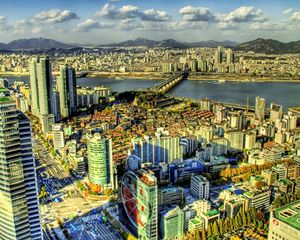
(101, 22)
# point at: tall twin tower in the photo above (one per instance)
(47, 103)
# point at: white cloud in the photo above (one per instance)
(227, 26)
(90, 24)
(54, 16)
(295, 16)
(2, 19)
(287, 11)
(245, 14)
(110, 12)
(266, 26)
(155, 15)
(190, 13)
(130, 12)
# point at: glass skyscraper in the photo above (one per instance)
(66, 84)
(19, 207)
(100, 167)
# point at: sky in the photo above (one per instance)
(110, 21)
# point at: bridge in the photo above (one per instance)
(167, 85)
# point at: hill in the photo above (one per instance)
(261, 45)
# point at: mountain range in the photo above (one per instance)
(259, 45)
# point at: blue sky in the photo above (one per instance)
(98, 21)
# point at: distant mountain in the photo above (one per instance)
(133, 43)
(169, 43)
(33, 43)
(212, 44)
(269, 46)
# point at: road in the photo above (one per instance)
(61, 187)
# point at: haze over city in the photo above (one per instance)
(99, 22)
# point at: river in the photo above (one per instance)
(287, 94)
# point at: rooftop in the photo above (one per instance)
(289, 214)
(212, 213)
(5, 99)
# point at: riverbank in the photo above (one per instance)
(161, 76)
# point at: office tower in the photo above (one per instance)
(43, 103)
(284, 222)
(236, 139)
(172, 224)
(100, 165)
(219, 146)
(199, 187)
(56, 106)
(147, 205)
(250, 140)
(275, 112)
(203, 65)
(41, 84)
(19, 207)
(229, 56)
(58, 136)
(218, 55)
(260, 105)
(66, 85)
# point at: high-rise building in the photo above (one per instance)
(147, 205)
(236, 139)
(66, 85)
(100, 165)
(284, 222)
(260, 105)
(199, 187)
(275, 112)
(19, 207)
(229, 56)
(158, 149)
(41, 84)
(218, 55)
(43, 102)
(172, 224)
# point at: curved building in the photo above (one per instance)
(100, 169)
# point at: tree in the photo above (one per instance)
(215, 229)
(244, 219)
(197, 235)
(209, 230)
(203, 234)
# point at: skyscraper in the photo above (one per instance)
(260, 105)
(218, 55)
(100, 165)
(229, 56)
(19, 208)
(41, 84)
(67, 91)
